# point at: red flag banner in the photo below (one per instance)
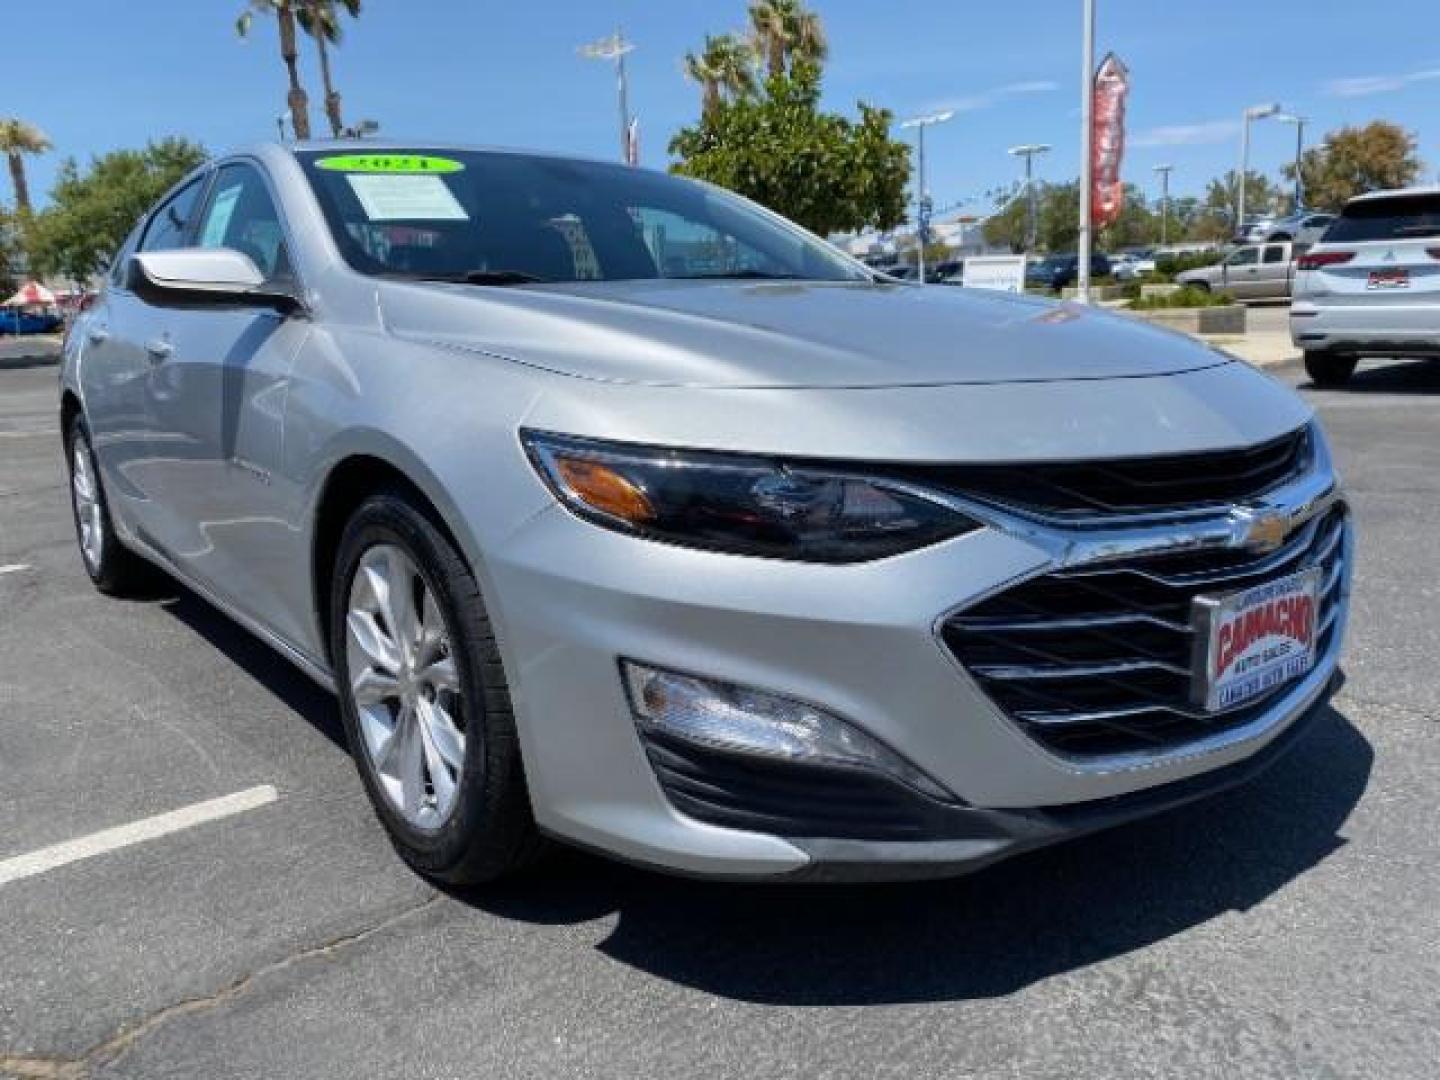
(1112, 87)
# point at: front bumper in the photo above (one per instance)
(859, 641)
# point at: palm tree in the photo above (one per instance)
(724, 68)
(284, 12)
(17, 138)
(321, 20)
(784, 29)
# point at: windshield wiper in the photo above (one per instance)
(483, 277)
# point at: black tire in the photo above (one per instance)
(1327, 369)
(116, 571)
(490, 832)
(1200, 286)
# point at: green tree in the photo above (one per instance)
(284, 12)
(1217, 220)
(92, 211)
(827, 172)
(321, 20)
(1354, 160)
(17, 139)
(724, 68)
(10, 233)
(785, 32)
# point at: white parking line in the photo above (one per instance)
(137, 832)
(13, 568)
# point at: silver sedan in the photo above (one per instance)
(619, 511)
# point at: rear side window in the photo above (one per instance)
(1402, 217)
(170, 225)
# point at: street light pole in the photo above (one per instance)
(1299, 122)
(1255, 112)
(922, 217)
(615, 48)
(1028, 152)
(1087, 146)
(1164, 171)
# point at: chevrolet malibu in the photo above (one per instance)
(619, 511)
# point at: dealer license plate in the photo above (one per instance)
(1253, 641)
(1389, 279)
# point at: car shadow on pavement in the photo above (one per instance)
(258, 660)
(981, 936)
(1418, 377)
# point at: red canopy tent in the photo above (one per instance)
(31, 294)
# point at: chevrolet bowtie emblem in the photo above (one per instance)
(1263, 531)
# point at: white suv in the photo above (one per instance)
(1371, 287)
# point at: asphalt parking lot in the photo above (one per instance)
(1288, 929)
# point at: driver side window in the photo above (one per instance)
(242, 216)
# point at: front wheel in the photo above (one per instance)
(424, 697)
(1326, 369)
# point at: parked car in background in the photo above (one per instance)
(945, 272)
(1303, 229)
(1371, 286)
(1257, 229)
(1250, 272)
(725, 558)
(1061, 271)
(18, 321)
(1130, 265)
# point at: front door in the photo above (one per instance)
(217, 399)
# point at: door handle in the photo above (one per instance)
(98, 335)
(159, 350)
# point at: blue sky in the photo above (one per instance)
(114, 74)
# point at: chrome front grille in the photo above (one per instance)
(1095, 660)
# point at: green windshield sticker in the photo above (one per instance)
(390, 163)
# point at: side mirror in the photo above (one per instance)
(204, 277)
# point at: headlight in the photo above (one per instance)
(741, 504)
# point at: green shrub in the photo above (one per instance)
(1167, 266)
(1188, 297)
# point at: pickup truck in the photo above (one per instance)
(1250, 272)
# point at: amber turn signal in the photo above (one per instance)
(604, 489)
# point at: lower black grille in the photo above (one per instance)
(1097, 660)
(798, 800)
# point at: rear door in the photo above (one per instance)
(1382, 252)
(116, 370)
(1272, 278)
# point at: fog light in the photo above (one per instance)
(730, 717)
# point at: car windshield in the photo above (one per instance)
(1400, 217)
(492, 218)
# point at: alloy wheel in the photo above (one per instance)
(89, 511)
(405, 687)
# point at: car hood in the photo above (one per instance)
(787, 334)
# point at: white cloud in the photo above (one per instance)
(1201, 134)
(995, 95)
(1365, 85)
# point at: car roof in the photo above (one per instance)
(1396, 193)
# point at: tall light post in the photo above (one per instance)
(1028, 152)
(1299, 122)
(1164, 172)
(615, 48)
(1255, 112)
(922, 215)
(1087, 146)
